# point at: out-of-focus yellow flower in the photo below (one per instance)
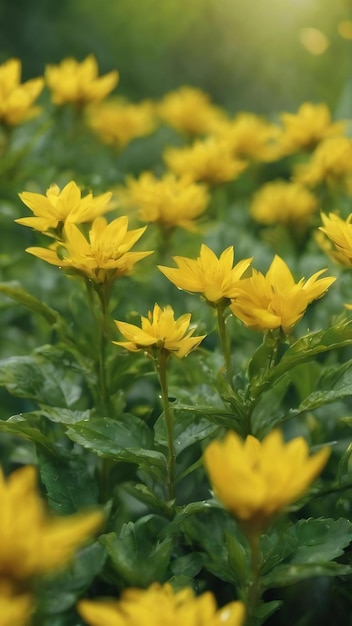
(255, 480)
(160, 331)
(16, 98)
(250, 137)
(331, 163)
(78, 83)
(209, 160)
(314, 40)
(275, 300)
(103, 257)
(168, 201)
(305, 129)
(117, 122)
(344, 29)
(189, 110)
(31, 542)
(57, 207)
(339, 237)
(15, 608)
(283, 202)
(215, 278)
(160, 605)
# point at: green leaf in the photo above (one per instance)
(26, 428)
(62, 591)
(288, 574)
(48, 376)
(188, 429)
(69, 484)
(136, 554)
(14, 291)
(60, 415)
(335, 337)
(318, 542)
(238, 560)
(321, 539)
(128, 439)
(144, 494)
(188, 565)
(207, 533)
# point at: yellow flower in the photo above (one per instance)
(15, 608)
(32, 542)
(255, 480)
(16, 98)
(330, 163)
(209, 160)
(160, 331)
(118, 122)
(168, 201)
(250, 137)
(339, 234)
(275, 300)
(102, 258)
(283, 202)
(78, 83)
(305, 129)
(160, 605)
(57, 207)
(189, 110)
(215, 278)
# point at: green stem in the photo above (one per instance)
(224, 339)
(102, 324)
(254, 589)
(169, 422)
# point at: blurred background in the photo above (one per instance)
(259, 55)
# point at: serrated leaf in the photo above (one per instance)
(318, 542)
(188, 429)
(23, 427)
(62, 591)
(127, 439)
(188, 565)
(47, 376)
(137, 555)
(68, 483)
(285, 575)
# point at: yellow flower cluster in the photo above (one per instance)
(118, 122)
(250, 137)
(215, 278)
(261, 302)
(255, 479)
(330, 163)
(102, 257)
(306, 129)
(31, 542)
(283, 202)
(339, 235)
(275, 300)
(58, 207)
(168, 201)
(16, 98)
(160, 331)
(79, 83)
(160, 605)
(209, 160)
(190, 111)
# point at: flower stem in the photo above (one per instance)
(101, 319)
(224, 339)
(169, 422)
(254, 590)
